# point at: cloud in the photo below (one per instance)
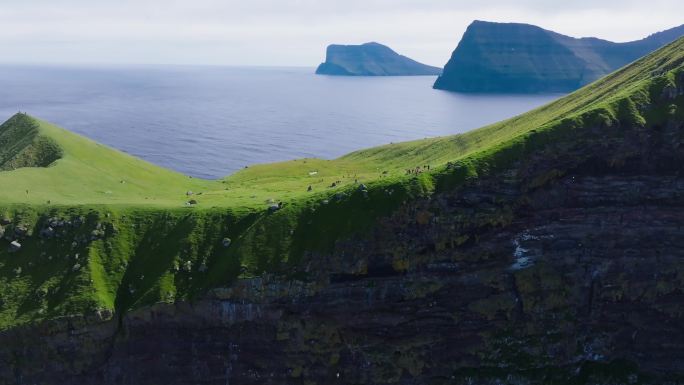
(294, 32)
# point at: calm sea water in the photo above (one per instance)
(210, 121)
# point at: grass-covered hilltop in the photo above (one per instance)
(87, 229)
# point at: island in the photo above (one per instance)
(371, 59)
(523, 58)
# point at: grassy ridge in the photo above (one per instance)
(126, 236)
(21, 145)
(97, 174)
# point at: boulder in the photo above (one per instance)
(47, 232)
(226, 242)
(14, 246)
(97, 234)
(55, 222)
(78, 221)
(20, 231)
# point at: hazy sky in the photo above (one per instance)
(291, 32)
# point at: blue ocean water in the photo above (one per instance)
(211, 121)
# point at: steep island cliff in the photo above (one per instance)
(523, 58)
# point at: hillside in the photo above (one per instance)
(522, 58)
(370, 59)
(22, 145)
(544, 247)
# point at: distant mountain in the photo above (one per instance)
(370, 59)
(523, 58)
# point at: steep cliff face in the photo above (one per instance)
(566, 266)
(522, 58)
(371, 59)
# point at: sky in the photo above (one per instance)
(291, 32)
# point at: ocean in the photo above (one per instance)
(211, 121)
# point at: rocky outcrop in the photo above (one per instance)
(522, 58)
(566, 267)
(370, 59)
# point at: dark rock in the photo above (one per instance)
(47, 232)
(20, 231)
(14, 246)
(79, 221)
(55, 222)
(94, 235)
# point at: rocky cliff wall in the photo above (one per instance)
(566, 268)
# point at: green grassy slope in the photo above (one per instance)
(104, 231)
(87, 173)
(22, 145)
